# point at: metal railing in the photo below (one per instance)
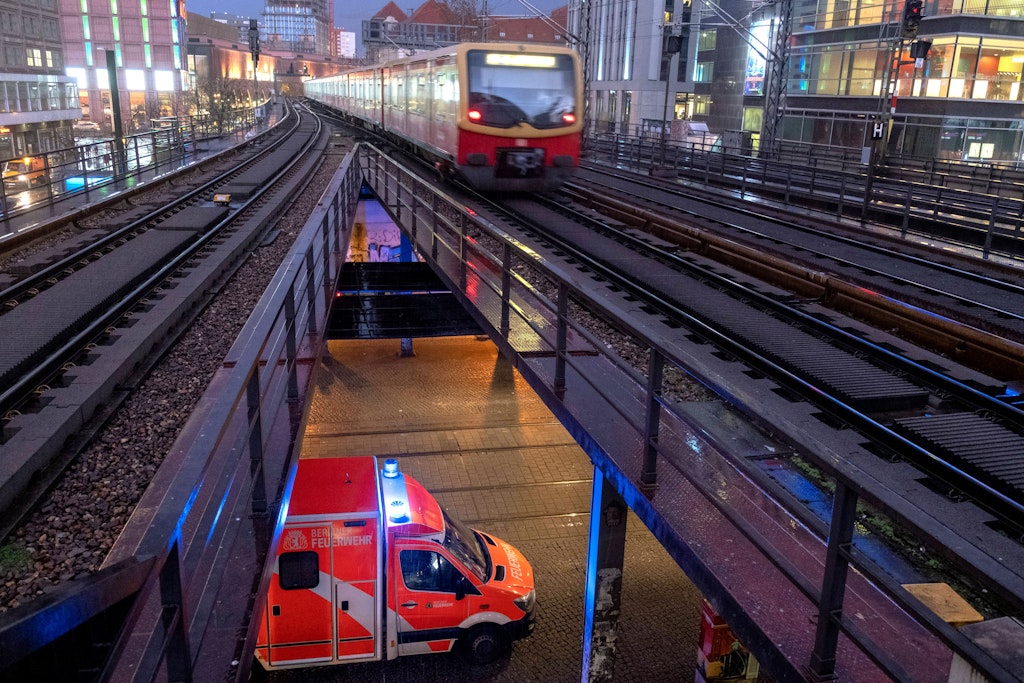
(200, 535)
(985, 202)
(624, 422)
(38, 181)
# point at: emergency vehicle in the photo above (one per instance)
(369, 567)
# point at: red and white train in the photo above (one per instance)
(503, 116)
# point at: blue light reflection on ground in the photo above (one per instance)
(820, 503)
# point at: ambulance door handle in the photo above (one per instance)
(410, 604)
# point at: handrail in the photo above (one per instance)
(208, 518)
(560, 360)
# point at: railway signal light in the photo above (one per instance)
(919, 49)
(911, 18)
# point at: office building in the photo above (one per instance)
(39, 102)
(145, 43)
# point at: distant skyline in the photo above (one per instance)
(350, 15)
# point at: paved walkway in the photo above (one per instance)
(463, 422)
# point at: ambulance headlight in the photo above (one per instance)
(527, 602)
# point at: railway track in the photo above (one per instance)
(90, 324)
(600, 351)
(952, 425)
(954, 305)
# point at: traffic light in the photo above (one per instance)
(919, 49)
(911, 17)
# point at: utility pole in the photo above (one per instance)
(775, 55)
(673, 44)
(115, 111)
(254, 48)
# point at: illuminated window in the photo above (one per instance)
(79, 75)
(135, 79)
(164, 80)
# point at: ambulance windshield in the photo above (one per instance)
(466, 545)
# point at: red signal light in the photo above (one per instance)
(474, 115)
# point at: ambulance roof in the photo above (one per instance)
(326, 487)
(425, 516)
(331, 486)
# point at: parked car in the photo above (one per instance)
(25, 173)
(87, 127)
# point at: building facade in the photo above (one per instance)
(298, 25)
(391, 33)
(851, 67)
(809, 75)
(145, 42)
(640, 56)
(38, 103)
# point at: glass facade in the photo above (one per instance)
(849, 67)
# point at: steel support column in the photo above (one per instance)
(603, 597)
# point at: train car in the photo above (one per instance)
(503, 116)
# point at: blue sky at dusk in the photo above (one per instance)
(350, 14)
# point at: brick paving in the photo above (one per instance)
(464, 423)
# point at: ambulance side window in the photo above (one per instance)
(299, 570)
(425, 570)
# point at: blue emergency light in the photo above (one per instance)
(396, 499)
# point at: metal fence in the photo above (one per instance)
(642, 442)
(177, 589)
(36, 181)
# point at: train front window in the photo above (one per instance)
(513, 89)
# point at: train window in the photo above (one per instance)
(511, 89)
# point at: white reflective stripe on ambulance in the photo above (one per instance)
(361, 606)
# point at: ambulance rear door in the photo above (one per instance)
(299, 602)
(358, 588)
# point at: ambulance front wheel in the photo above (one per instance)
(484, 644)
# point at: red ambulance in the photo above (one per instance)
(370, 567)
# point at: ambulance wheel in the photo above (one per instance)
(483, 644)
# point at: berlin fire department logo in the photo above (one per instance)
(295, 540)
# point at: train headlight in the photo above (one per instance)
(569, 118)
(474, 115)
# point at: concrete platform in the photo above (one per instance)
(463, 422)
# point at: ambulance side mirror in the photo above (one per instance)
(460, 587)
